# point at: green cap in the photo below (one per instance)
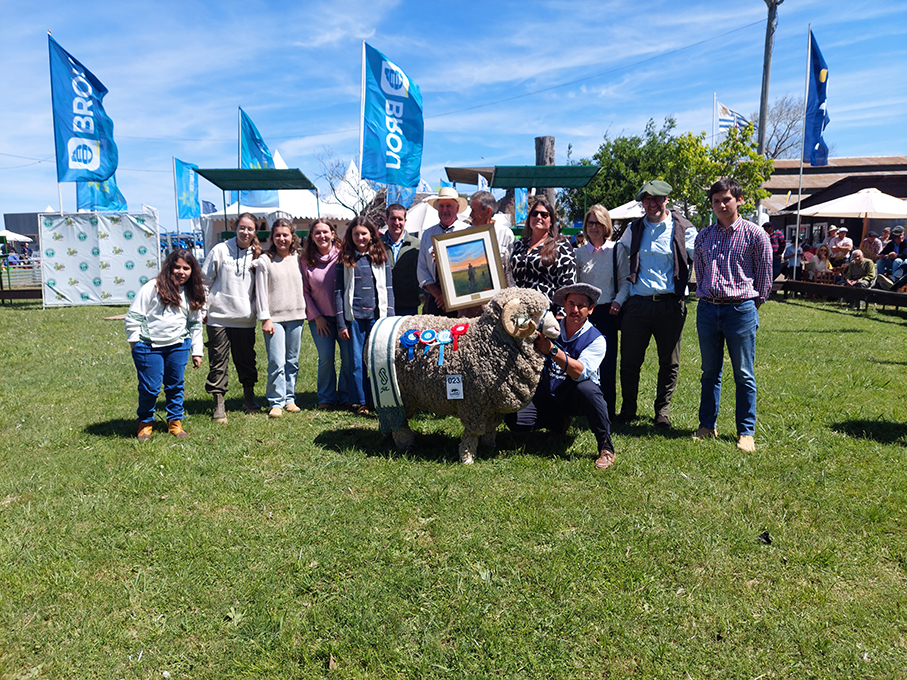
(654, 187)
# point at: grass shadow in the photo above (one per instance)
(887, 315)
(881, 431)
(434, 447)
(116, 428)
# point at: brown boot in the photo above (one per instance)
(175, 427)
(144, 432)
(220, 410)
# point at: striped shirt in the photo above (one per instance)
(733, 262)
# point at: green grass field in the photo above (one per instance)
(306, 547)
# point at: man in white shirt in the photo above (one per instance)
(448, 203)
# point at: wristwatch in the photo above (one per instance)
(553, 352)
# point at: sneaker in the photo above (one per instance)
(745, 442)
(275, 412)
(292, 408)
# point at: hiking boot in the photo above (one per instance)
(175, 427)
(275, 412)
(292, 408)
(220, 410)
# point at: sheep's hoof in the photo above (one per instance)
(404, 439)
(466, 458)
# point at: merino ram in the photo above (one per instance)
(498, 366)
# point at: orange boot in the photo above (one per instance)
(144, 432)
(175, 427)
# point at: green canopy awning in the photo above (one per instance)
(231, 179)
(552, 176)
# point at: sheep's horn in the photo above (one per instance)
(520, 332)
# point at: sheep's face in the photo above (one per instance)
(522, 316)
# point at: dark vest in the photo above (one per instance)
(679, 247)
(554, 374)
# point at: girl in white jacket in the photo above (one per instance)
(163, 325)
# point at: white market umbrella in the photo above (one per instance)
(867, 204)
(627, 211)
(13, 236)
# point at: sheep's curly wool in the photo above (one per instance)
(499, 372)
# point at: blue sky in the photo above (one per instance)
(493, 75)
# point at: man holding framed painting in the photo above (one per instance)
(448, 203)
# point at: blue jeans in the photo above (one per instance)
(734, 326)
(327, 375)
(157, 365)
(353, 377)
(283, 362)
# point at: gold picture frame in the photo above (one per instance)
(468, 265)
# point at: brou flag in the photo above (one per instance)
(814, 148)
(254, 153)
(101, 196)
(83, 133)
(392, 127)
(186, 190)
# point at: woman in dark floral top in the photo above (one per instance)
(542, 259)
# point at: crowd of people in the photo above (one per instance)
(879, 262)
(637, 284)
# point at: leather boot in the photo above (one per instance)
(220, 411)
(249, 404)
(175, 427)
(144, 432)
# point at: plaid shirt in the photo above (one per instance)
(734, 262)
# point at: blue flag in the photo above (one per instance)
(402, 195)
(83, 133)
(814, 148)
(100, 196)
(254, 153)
(208, 207)
(392, 125)
(187, 204)
(520, 205)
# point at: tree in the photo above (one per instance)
(684, 161)
(348, 189)
(784, 129)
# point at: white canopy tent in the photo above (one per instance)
(627, 211)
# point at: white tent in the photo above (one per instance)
(627, 211)
(13, 236)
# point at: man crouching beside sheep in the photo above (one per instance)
(570, 382)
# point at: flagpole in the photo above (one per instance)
(714, 108)
(362, 110)
(176, 203)
(809, 35)
(238, 163)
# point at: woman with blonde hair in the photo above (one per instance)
(280, 305)
(604, 264)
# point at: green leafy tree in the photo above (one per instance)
(685, 162)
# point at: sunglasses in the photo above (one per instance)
(539, 213)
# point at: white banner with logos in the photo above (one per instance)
(97, 258)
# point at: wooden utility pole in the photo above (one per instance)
(770, 27)
(544, 155)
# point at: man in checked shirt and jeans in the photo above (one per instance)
(733, 261)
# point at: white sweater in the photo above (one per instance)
(231, 286)
(154, 323)
(278, 288)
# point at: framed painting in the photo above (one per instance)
(469, 267)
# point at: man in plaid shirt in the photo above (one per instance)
(733, 261)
